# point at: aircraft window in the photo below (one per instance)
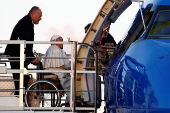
(135, 32)
(161, 25)
(140, 31)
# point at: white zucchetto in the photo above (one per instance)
(54, 37)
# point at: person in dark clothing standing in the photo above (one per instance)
(24, 30)
(105, 40)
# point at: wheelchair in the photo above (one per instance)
(45, 92)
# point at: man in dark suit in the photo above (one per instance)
(24, 30)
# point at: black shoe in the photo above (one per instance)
(16, 93)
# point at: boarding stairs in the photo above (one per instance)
(11, 102)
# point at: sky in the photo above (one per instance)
(60, 17)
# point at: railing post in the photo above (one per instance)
(73, 75)
(96, 79)
(21, 74)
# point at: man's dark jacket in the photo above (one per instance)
(24, 30)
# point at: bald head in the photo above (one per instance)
(35, 14)
(34, 8)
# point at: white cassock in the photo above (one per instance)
(58, 64)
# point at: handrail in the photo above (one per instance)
(96, 71)
(72, 71)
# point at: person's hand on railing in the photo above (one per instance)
(35, 62)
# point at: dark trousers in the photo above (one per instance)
(16, 65)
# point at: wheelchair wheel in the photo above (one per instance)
(42, 93)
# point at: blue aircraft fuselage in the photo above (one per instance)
(138, 75)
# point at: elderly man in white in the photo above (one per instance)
(55, 50)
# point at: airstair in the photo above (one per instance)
(79, 93)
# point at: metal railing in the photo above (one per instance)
(73, 72)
